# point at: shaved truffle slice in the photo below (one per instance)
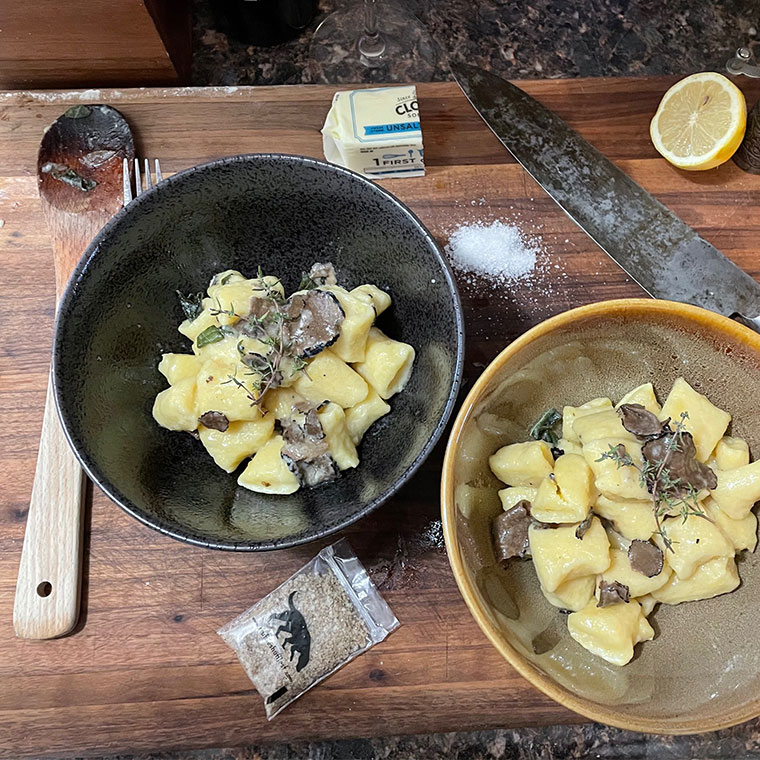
(260, 322)
(305, 448)
(264, 366)
(679, 458)
(214, 421)
(315, 471)
(510, 531)
(580, 531)
(612, 593)
(645, 558)
(303, 434)
(313, 324)
(640, 421)
(323, 274)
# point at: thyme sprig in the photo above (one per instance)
(267, 369)
(240, 384)
(229, 312)
(668, 493)
(269, 290)
(299, 365)
(307, 282)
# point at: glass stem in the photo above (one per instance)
(370, 18)
(371, 43)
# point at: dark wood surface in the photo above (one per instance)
(93, 43)
(145, 668)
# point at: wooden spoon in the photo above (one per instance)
(79, 175)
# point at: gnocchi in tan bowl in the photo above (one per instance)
(699, 669)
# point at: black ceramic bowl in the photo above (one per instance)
(120, 312)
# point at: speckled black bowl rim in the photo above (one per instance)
(167, 529)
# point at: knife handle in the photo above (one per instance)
(752, 322)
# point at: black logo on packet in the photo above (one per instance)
(277, 694)
(298, 637)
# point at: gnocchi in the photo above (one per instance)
(610, 632)
(628, 506)
(291, 383)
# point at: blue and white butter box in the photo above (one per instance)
(375, 132)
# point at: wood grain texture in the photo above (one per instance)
(81, 43)
(145, 668)
(46, 604)
(47, 588)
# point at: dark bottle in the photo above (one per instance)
(264, 22)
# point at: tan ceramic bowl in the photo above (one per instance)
(702, 671)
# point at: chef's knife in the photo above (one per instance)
(650, 243)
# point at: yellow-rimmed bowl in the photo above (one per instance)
(702, 670)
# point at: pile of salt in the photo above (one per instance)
(496, 250)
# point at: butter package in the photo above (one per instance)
(375, 132)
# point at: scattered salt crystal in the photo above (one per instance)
(498, 250)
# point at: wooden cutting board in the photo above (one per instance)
(145, 668)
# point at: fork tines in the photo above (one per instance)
(142, 181)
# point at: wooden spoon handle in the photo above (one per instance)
(47, 590)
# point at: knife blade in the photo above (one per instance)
(648, 241)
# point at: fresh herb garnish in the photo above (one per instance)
(542, 430)
(307, 282)
(211, 334)
(667, 472)
(268, 288)
(241, 384)
(269, 324)
(269, 327)
(77, 112)
(299, 365)
(191, 305)
(65, 174)
(229, 312)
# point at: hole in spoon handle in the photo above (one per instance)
(45, 589)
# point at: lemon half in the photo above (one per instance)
(700, 122)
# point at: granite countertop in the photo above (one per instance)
(533, 38)
(549, 743)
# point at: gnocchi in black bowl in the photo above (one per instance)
(227, 251)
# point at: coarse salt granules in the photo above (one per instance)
(497, 250)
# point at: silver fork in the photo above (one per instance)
(142, 182)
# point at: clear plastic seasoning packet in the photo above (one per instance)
(319, 619)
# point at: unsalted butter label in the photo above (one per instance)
(376, 132)
(389, 129)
